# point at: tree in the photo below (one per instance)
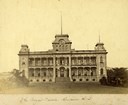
(117, 76)
(103, 81)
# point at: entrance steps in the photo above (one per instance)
(62, 79)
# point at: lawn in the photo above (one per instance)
(67, 88)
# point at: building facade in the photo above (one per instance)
(62, 63)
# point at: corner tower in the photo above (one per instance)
(23, 60)
(101, 60)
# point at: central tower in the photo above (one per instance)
(61, 43)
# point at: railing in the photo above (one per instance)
(88, 76)
(83, 64)
(39, 65)
(84, 75)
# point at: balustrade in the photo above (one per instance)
(41, 72)
(83, 61)
(83, 71)
(40, 61)
(64, 61)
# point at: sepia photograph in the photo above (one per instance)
(69, 49)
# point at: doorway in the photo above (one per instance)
(62, 72)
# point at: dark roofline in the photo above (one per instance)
(99, 44)
(63, 35)
(65, 42)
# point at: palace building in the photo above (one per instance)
(62, 63)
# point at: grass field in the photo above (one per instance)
(67, 88)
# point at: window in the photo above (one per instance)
(80, 72)
(66, 47)
(31, 80)
(61, 41)
(101, 71)
(23, 63)
(38, 74)
(86, 79)
(73, 73)
(91, 73)
(32, 74)
(85, 74)
(44, 74)
(101, 59)
(93, 79)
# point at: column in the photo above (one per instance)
(90, 61)
(77, 72)
(98, 67)
(47, 73)
(82, 71)
(83, 61)
(47, 61)
(34, 62)
(58, 72)
(65, 61)
(76, 63)
(54, 68)
(34, 74)
(40, 74)
(90, 72)
(105, 65)
(70, 75)
(65, 72)
(58, 61)
(39, 61)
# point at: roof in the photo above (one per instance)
(51, 52)
(60, 37)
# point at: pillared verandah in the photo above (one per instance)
(62, 63)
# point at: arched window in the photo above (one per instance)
(66, 47)
(101, 59)
(38, 74)
(73, 72)
(91, 73)
(101, 71)
(45, 74)
(80, 72)
(32, 74)
(23, 63)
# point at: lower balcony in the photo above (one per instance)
(40, 79)
(84, 78)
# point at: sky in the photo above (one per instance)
(36, 22)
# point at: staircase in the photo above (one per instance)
(62, 79)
